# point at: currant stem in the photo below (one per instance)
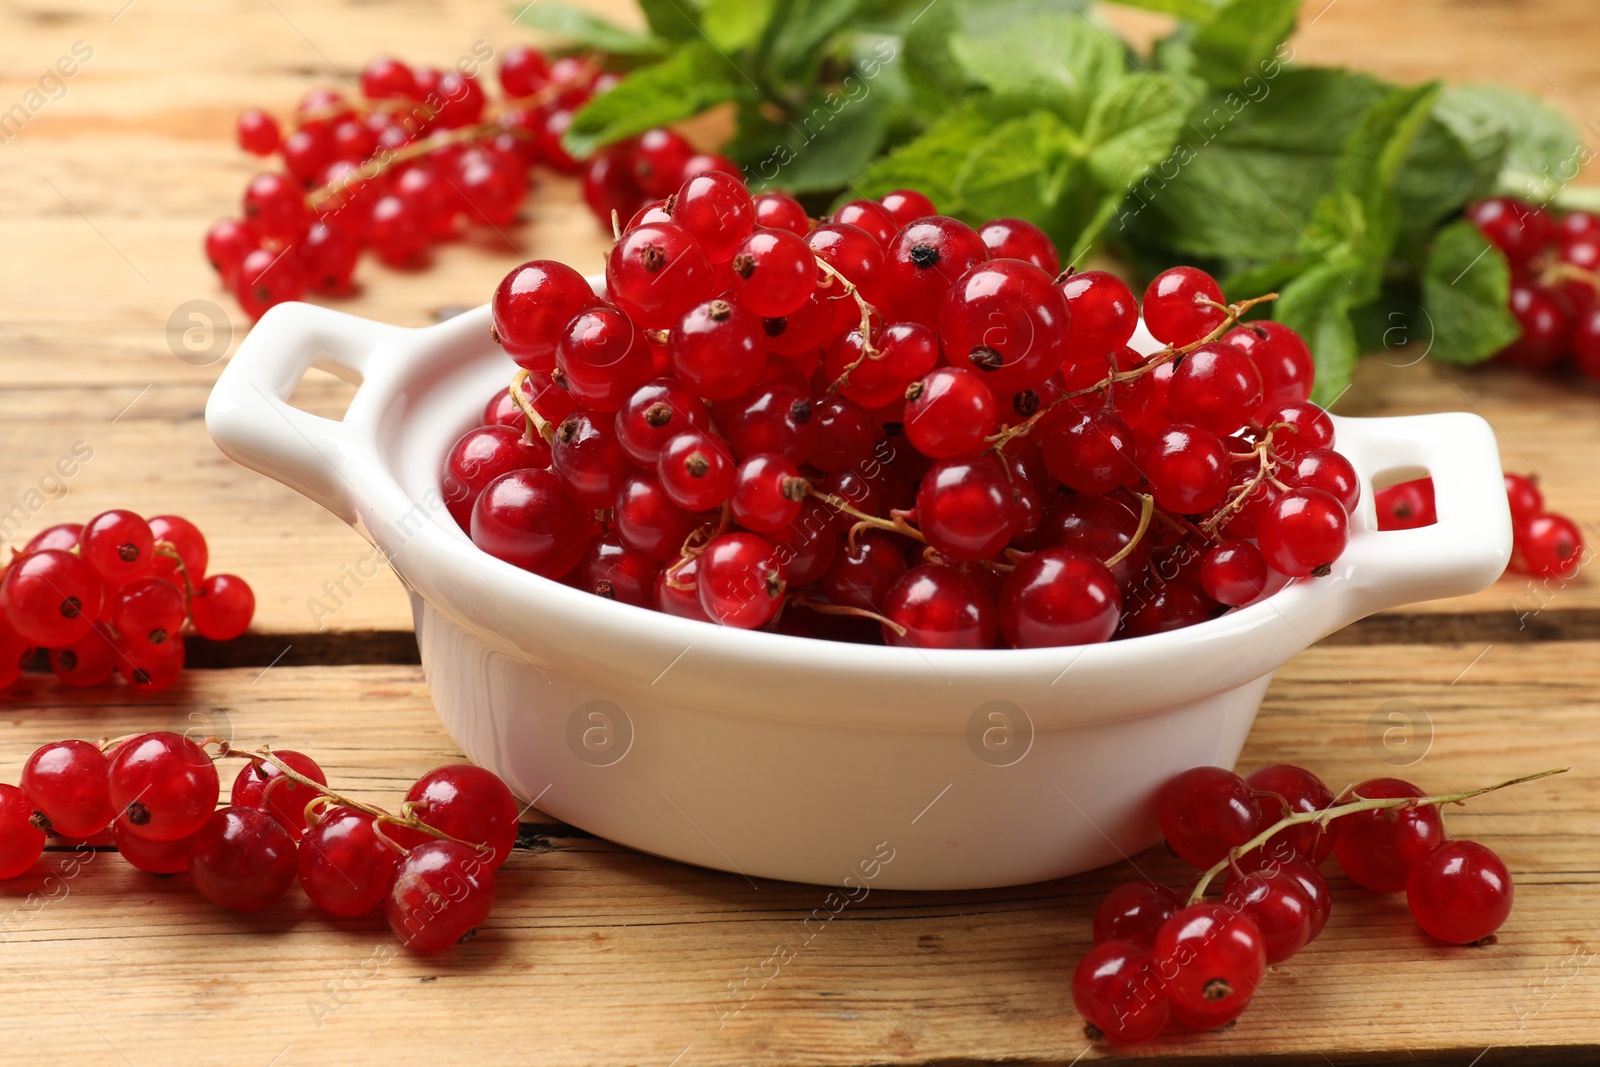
(896, 523)
(1147, 507)
(822, 607)
(536, 423)
(695, 543)
(382, 161)
(1232, 313)
(168, 549)
(868, 350)
(1326, 815)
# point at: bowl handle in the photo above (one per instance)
(251, 420)
(1470, 545)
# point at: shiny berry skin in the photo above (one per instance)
(779, 417)
(149, 610)
(51, 597)
(1215, 386)
(773, 273)
(588, 460)
(1546, 328)
(1019, 239)
(949, 412)
(613, 571)
(717, 211)
(118, 544)
(1059, 597)
(154, 857)
(1550, 546)
(1460, 892)
(1089, 451)
(1524, 497)
(1378, 849)
(1325, 469)
(1009, 320)
(384, 78)
(608, 185)
(1188, 469)
(656, 412)
(939, 607)
(717, 349)
(258, 132)
(602, 358)
(701, 162)
(89, 661)
(435, 202)
(527, 519)
(242, 859)
(266, 278)
(1278, 906)
(923, 261)
(307, 153)
(1233, 573)
(778, 211)
(863, 573)
(1304, 426)
(697, 470)
(523, 70)
(965, 507)
(1303, 532)
(466, 802)
(1170, 605)
(1210, 958)
(854, 253)
(21, 842)
(1276, 859)
(275, 206)
(396, 234)
(656, 273)
(442, 892)
(658, 161)
(846, 434)
(767, 493)
(1116, 990)
(906, 206)
(1281, 357)
(1204, 812)
(1519, 229)
(222, 607)
(69, 782)
(678, 593)
(163, 786)
(491, 184)
(1172, 310)
(344, 867)
(870, 216)
(1406, 506)
(481, 455)
(63, 535)
(264, 787)
(740, 580)
(1096, 526)
(1103, 314)
(227, 242)
(329, 254)
(648, 522)
(1134, 911)
(150, 668)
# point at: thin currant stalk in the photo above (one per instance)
(868, 349)
(695, 543)
(896, 523)
(823, 607)
(536, 423)
(1147, 507)
(1326, 815)
(170, 550)
(1230, 319)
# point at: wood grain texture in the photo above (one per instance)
(595, 954)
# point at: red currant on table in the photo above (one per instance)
(264, 786)
(1134, 911)
(1460, 892)
(1377, 849)
(344, 866)
(1210, 959)
(442, 893)
(69, 782)
(162, 786)
(21, 841)
(468, 803)
(1117, 990)
(242, 859)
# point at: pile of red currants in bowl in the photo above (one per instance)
(154, 795)
(112, 596)
(421, 157)
(1160, 956)
(1555, 281)
(891, 426)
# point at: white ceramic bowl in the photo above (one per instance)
(784, 757)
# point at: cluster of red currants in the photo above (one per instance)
(431, 870)
(1555, 281)
(420, 157)
(1547, 544)
(891, 416)
(112, 596)
(1160, 955)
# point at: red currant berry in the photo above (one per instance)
(442, 892)
(384, 78)
(468, 803)
(69, 783)
(527, 519)
(939, 607)
(276, 207)
(656, 273)
(677, 591)
(264, 787)
(228, 241)
(717, 349)
(846, 434)
(21, 842)
(1116, 990)
(150, 668)
(1300, 791)
(870, 216)
(222, 607)
(483, 454)
(148, 610)
(1303, 532)
(345, 867)
(717, 211)
(1550, 546)
(1020, 239)
(655, 413)
(1325, 469)
(1134, 911)
(1233, 573)
(965, 507)
(1210, 959)
(658, 161)
(923, 261)
(87, 662)
(697, 470)
(154, 857)
(778, 211)
(588, 460)
(329, 255)
(1059, 597)
(1177, 306)
(612, 570)
(268, 278)
(1188, 469)
(1103, 314)
(906, 206)
(950, 412)
(767, 493)
(740, 580)
(1406, 506)
(162, 785)
(863, 573)
(523, 71)
(1460, 892)
(1089, 451)
(397, 234)
(855, 254)
(1007, 319)
(258, 132)
(1283, 360)
(1205, 812)
(1546, 328)
(1524, 498)
(1378, 849)
(51, 597)
(1298, 428)
(1278, 906)
(118, 545)
(777, 416)
(1215, 386)
(1519, 229)
(64, 535)
(491, 184)
(602, 358)
(773, 273)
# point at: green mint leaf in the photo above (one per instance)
(1543, 149)
(672, 19)
(1195, 10)
(800, 34)
(580, 27)
(1133, 126)
(825, 145)
(1317, 305)
(1466, 287)
(692, 79)
(931, 161)
(1022, 167)
(1368, 166)
(1448, 166)
(732, 25)
(1238, 41)
(1035, 54)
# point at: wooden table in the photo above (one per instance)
(596, 954)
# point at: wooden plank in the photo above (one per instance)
(596, 954)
